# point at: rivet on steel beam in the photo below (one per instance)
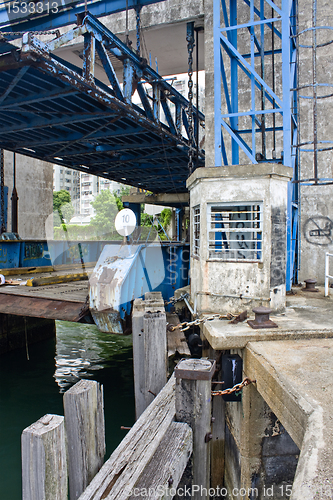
(208, 437)
(310, 286)
(262, 318)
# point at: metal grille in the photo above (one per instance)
(196, 230)
(235, 232)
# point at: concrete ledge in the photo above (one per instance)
(165, 199)
(305, 317)
(302, 404)
(241, 171)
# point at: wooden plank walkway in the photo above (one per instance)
(66, 300)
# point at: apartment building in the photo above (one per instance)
(69, 180)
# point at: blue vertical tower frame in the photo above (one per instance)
(255, 110)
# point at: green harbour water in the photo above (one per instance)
(31, 388)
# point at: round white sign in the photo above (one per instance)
(125, 222)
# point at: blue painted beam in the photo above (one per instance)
(58, 13)
(109, 70)
(270, 102)
(63, 114)
(247, 66)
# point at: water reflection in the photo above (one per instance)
(31, 388)
(83, 349)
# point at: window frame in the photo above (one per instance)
(223, 252)
(196, 217)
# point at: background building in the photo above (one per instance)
(69, 180)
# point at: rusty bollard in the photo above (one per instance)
(310, 286)
(262, 318)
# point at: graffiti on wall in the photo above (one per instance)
(318, 230)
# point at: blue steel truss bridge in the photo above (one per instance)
(134, 129)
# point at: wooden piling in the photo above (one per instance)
(149, 349)
(120, 473)
(193, 406)
(84, 420)
(44, 466)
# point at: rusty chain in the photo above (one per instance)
(199, 321)
(21, 33)
(235, 388)
(138, 31)
(190, 47)
(2, 191)
(174, 300)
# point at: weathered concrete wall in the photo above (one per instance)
(17, 332)
(34, 185)
(291, 377)
(316, 231)
(156, 15)
(259, 457)
(263, 280)
(316, 201)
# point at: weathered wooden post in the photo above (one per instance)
(193, 406)
(84, 421)
(44, 466)
(149, 349)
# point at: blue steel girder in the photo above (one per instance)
(57, 112)
(53, 14)
(255, 92)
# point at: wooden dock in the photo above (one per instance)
(58, 292)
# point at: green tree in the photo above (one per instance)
(106, 209)
(164, 219)
(124, 190)
(62, 205)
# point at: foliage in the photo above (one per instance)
(106, 209)
(106, 206)
(164, 219)
(85, 232)
(62, 205)
(124, 190)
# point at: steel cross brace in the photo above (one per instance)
(137, 74)
(263, 21)
(58, 112)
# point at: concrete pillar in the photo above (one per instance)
(179, 221)
(136, 207)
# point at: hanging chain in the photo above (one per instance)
(190, 47)
(199, 321)
(138, 22)
(2, 191)
(235, 388)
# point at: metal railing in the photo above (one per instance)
(327, 270)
